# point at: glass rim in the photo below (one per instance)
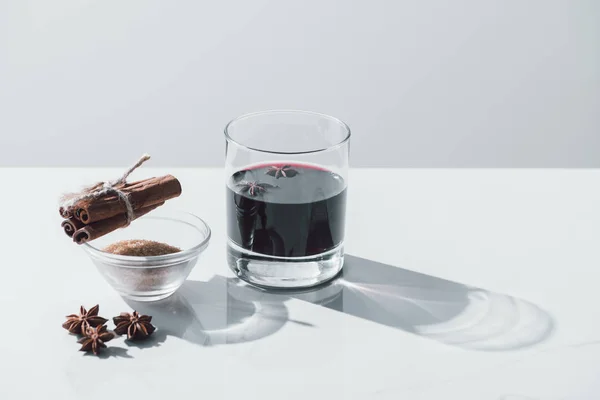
(313, 113)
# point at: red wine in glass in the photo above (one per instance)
(286, 209)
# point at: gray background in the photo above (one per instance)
(447, 83)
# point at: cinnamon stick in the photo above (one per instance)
(105, 226)
(71, 225)
(141, 194)
(65, 213)
(68, 212)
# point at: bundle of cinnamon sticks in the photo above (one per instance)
(92, 218)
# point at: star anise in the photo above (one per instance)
(285, 171)
(86, 319)
(95, 338)
(254, 188)
(137, 326)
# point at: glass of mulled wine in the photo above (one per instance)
(286, 197)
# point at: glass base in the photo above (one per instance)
(284, 272)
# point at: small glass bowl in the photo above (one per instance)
(156, 277)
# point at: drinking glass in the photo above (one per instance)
(287, 176)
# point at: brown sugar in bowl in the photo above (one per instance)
(141, 248)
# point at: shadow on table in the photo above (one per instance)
(219, 311)
(434, 308)
(111, 352)
(226, 310)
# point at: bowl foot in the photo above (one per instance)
(147, 298)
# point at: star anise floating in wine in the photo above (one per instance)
(254, 188)
(79, 324)
(95, 339)
(135, 325)
(285, 171)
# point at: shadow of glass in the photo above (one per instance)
(445, 311)
(216, 312)
(227, 310)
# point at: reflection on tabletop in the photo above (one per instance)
(226, 310)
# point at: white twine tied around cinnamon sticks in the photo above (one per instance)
(103, 188)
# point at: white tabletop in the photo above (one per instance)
(458, 284)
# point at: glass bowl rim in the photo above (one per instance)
(157, 261)
(276, 111)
